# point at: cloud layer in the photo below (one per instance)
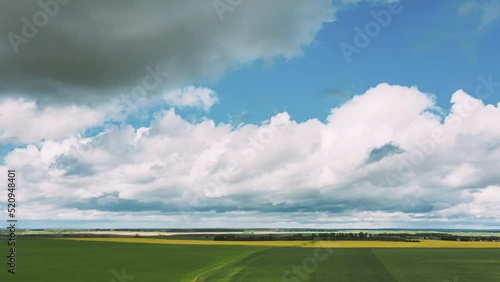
(73, 51)
(389, 157)
(385, 158)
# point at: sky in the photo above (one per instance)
(246, 114)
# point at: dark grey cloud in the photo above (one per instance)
(72, 51)
(113, 203)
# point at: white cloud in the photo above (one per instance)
(22, 121)
(197, 97)
(312, 172)
(483, 203)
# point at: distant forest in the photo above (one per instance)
(399, 237)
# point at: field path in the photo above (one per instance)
(201, 275)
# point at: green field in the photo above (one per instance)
(365, 265)
(40, 260)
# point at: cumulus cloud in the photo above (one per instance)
(23, 121)
(383, 159)
(197, 97)
(73, 51)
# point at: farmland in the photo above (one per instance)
(300, 264)
(150, 260)
(49, 260)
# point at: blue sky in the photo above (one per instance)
(427, 45)
(183, 115)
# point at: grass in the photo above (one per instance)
(383, 265)
(442, 264)
(153, 260)
(49, 260)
